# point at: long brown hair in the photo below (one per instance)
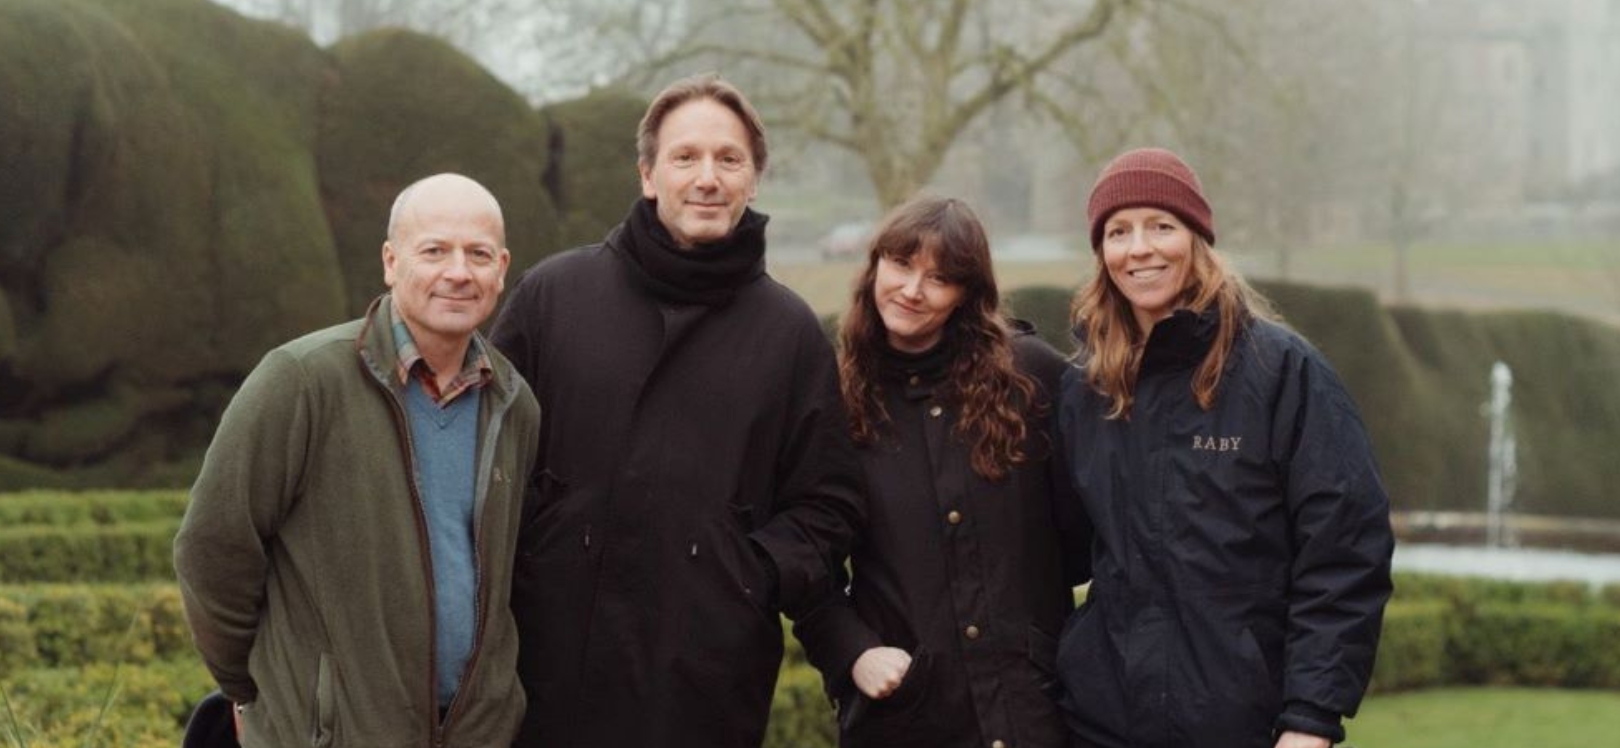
(982, 380)
(1113, 342)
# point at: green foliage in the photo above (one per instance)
(16, 638)
(1466, 593)
(75, 625)
(191, 188)
(829, 327)
(8, 330)
(400, 106)
(63, 508)
(1536, 645)
(801, 716)
(1610, 594)
(1458, 630)
(1412, 650)
(593, 177)
(153, 167)
(1046, 307)
(153, 125)
(127, 552)
(58, 707)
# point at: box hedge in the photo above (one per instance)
(127, 552)
(1412, 651)
(52, 626)
(58, 646)
(107, 508)
(58, 707)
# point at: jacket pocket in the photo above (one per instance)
(325, 710)
(1091, 670)
(540, 505)
(745, 566)
(1043, 655)
(888, 721)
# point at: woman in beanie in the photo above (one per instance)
(947, 636)
(1241, 556)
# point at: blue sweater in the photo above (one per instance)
(445, 443)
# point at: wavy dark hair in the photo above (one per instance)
(983, 381)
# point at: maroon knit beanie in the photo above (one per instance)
(1150, 177)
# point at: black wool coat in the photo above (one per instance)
(962, 572)
(678, 443)
(1241, 561)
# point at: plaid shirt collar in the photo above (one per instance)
(475, 370)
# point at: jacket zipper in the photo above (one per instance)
(409, 448)
(473, 657)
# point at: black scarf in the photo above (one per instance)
(705, 274)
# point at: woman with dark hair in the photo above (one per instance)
(1242, 545)
(946, 636)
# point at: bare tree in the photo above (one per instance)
(896, 83)
(329, 20)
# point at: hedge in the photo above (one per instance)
(58, 645)
(128, 552)
(1469, 592)
(1535, 645)
(58, 707)
(65, 508)
(1442, 630)
(1412, 651)
(54, 626)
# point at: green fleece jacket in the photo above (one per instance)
(303, 558)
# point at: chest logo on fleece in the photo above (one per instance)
(1216, 443)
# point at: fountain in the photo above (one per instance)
(1501, 557)
(1503, 454)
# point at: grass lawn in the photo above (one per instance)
(1488, 718)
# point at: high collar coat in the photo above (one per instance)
(962, 572)
(1242, 553)
(679, 442)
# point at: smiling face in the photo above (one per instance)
(445, 262)
(704, 175)
(914, 299)
(1148, 255)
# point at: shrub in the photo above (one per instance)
(130, 552)
(60, 706)
(16, 638)
(801, 716)
(1412, 650)
(1443, 630)
(74, 625)
(1534, 645)
(1610, 594)
(1468, 592)
(64, 508)
(592, 176)
(462, 119)
(1046, 307)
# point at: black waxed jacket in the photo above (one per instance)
(1241, 560)
(962, 572)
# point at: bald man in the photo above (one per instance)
(346, 558)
